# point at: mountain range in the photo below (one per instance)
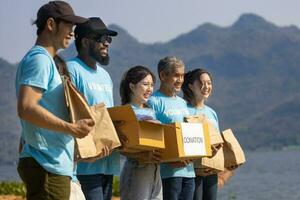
(256, 76)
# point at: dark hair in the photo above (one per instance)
(61, 65)
(78, 44)
(133, 75)
(189, 78)
(42, 23)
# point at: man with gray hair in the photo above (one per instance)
(177, 177)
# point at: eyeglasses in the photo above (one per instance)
(102, 39)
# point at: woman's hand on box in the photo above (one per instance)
(153, 121)
(153, 156)
(208, 171)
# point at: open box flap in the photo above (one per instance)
(122, 113)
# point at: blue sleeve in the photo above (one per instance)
(152, 103)
(191, 111)
(112, 93)
(218, 123)
(217, 120)
(110, 82)
(73, 74)
(37, 72)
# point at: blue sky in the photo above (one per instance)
(147, 20)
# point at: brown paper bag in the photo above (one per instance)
(233, 152)
(103, 134)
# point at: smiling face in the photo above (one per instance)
(98, 49)
(142, 90)
(173, 80)
(62, 34)
(202, 88)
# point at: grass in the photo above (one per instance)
(18, 189)
(116, 191)
(12, 188)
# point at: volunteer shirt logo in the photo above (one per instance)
(100, 87)
(172, 112)
(193, 140)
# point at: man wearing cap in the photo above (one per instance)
(92, 40)
(46, 157)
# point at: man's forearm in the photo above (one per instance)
(41, 117)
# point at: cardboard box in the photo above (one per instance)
(215, 136)
(229, 156)
(141, 135)
(185, 141)
(214, 164)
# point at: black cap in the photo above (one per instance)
(60, 10)
(93, 25)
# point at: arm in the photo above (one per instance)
(30, 110)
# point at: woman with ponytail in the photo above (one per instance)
(197, 88)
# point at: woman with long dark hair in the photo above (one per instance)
(140, 180)
(197, 88)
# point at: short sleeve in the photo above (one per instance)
(151, 103)
(73, 73)
(217, 120)
(37, 71)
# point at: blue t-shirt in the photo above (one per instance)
(169, 110)
(54, 151)
(142, 113)
(97, 87)
(209, 113)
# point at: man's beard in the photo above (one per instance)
(102, 60)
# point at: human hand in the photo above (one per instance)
(205, 171)
(82, 127)
(153, 156)
(153, 121)
(104, 152)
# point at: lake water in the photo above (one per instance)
(272, 175)
(266, 176)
